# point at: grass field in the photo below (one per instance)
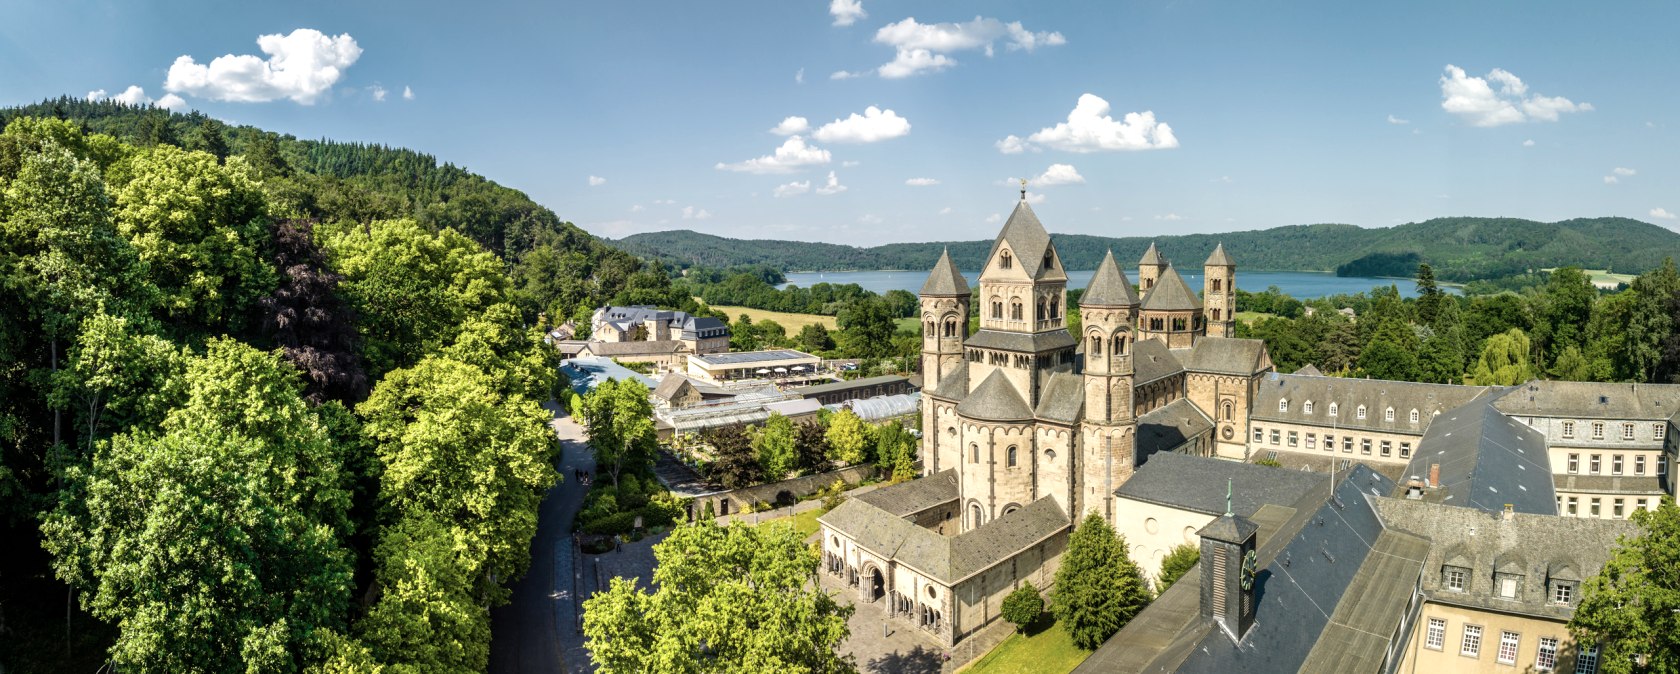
(804, 523)
(792, 322)
(1049, 651)
(1251, 316)
(1597, 275)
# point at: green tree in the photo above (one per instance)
(813, 449)
(1023, 606)
(497, 342)
(1504, 361)
(1098, 587)
(620, 422)
(729, 599)
(734, 463)
(1630, 608)
(847, 436)
(814, 338)
(1173, 567)
(429, 617)
(1565, 311)
(866, 329)
(1339, 348)
(1430, 296)
(777, 446)
(1572, 366)
(895, 450)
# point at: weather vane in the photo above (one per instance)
(1023, 188)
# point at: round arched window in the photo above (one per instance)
(1151, 526)
(1050, 454)
(932, 593)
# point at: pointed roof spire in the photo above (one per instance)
(1219, 258)
(1171, 293)
(1026, 236)
(1152, 257)
(945, 279)
(1023, 189)
(1109, 287)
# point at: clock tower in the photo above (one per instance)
(1229, 568)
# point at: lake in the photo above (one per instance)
(1298, 284)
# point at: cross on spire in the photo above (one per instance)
(1023, 189)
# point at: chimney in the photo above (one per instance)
(1510, 513)
(1434, 475)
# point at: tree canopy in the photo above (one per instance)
(1631, 608)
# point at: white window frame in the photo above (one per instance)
(1563, 593)
(1414, 416)
(1470, 643)
(1333, 409)
(1598, 430)
(1454, 578)
(1509, 644)
(1627, 430)
(1545, 656)
(1568, 430)
(1307, 407)
(1574, 464)
(1359, 413)
(1283, 404)
(1405, 450)
(1586, 659)
(1435, 638)
(1659, 430)
(1388, 414)
(1639, 464)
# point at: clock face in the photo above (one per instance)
(1249, 566)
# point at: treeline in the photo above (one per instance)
(755, 287)
(1460, 248)
(1563, 329)
(253, 427)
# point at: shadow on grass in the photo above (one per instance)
(918, 660)
(1043, 622)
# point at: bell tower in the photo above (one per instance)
(944, 304)
(1108, 312)
(1229, 571)
(1219, 293)
(1150, 269)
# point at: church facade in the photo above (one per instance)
(1028, 426)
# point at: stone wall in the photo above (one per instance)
(742, 500)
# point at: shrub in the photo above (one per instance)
(1023, 606)
(833, 495)
(616, 523)
(1174, 566)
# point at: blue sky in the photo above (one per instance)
(1134, 118)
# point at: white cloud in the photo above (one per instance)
(945, 211)
(791, 126)
(1623, 171)
(922, 182)
(1396, 120)
(1170, 217)
(799, 77)
(666, 202)
(849, 163)
(172, 103)
(792, 189)
(994, 218)
(96, 94)
(833, 186)
(846, 75)
(378, 92)
(133, 95)
(1090, 128)
(408, 94)
(847, 12)
(637, 208)
(1058, 174)
(1035, 198)
(794, 154)
(1663, 214)
(692, 213)
(1528, 143)
(1479, 103)
(873, 125)
(301, 66)
(1611, 180)
(924, 47)
(870, 219)
(597, 181)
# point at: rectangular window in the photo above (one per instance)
(1568, 429)
(1616, 509)
(1307, 407)
(1662, 464)
(1283, 405)
(1574, 506)
(1598, 430)
(1454, 578)
(1616, 464)
(1595, 509)
(1347, 444)
(1562, 592)
(1405, 450)
(1641, 504)
(1508, 586)
(1574, 463)
(1329, 443)
(1627, 431)
(1437, 634)
(1508, 644)
(1586, 661)
(1472, 644)
(1659, 430)
(1276, 435)
(1312, 441)
(1365, 446)
(1639, 465)
(1259, 435)
(1596, 465)
(1387, 447)
(1546, 659)
(1294, 439)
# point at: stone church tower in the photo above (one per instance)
(1219, 293)
(1108, 312)
(1150, 269)
(944, 299)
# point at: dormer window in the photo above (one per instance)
(1563, 592)
(1359, 413)
(1388, 414)
(1454, 577)
(1414, 416)
(1508, 585)
(1283, 405)
(1005, 261)
(1333, 407)
(1307, 407)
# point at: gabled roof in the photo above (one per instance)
(1487, 460)
(945, 279)
(995, 399)
(1152, 257)
(1030, 342)
(948, 559)
(909, 498)
(1377, 395)
(1168, 427)
(1228, 355)
(1153, 361)
(1171, 293)
(954, 386)
(1063, 399)
(1197, 484)
(673, 386)
(1592, 400)
(1219, 258)
(1109, 287)
(1309, 370)
(1026, 237)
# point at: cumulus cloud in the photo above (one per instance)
(172, 103)
(790, 126)
(133, 95)
(846, 75)
(1528, 143)
(1090, 128)
(922, 182)
(692, 213)
(1616, 175)
(1477, 101)
(794, 154)
(96, 95)
(873, 125)
(378, 92)
(847, 12)
(925, 47)
(1058, 174)
(1663, 214)
(792, 189)
(408, 94)
(1035, 198)
(302, 66)
(597, 181)
(1396, 120)
(833, 186)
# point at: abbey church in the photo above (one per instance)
(1027, 427)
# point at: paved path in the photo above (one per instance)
(537, 631)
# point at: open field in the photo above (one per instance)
(793, 322)
(804, 523)
(1603, 275)
(1251, 316)
(1049, 651)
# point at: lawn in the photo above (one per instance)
(1049, 651)
(1251, 316)
(792, 322)
(804, 523)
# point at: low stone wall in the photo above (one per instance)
(742, 500)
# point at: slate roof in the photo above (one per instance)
(647, 348)
(673, 386)
(1370, 607)
(1309, 370)
(1168, 427)
(1487, 460)
(1171, 293)
(1375, 394)
(1153, 361)
(948, 559)
(955, 385)
(995, 399)
(1027, 238)
(1313, 555)
(1063, 399)
(945, 279)
(1538, 547)
(1108, 287)
(1228, 355)
(914, 496)
(866, 382)
(1035, 342)
(1619, 484)
(1580, 400)
(1219, 258)
(1151, 256)
(1197, 484)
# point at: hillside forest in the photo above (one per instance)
(269, 404)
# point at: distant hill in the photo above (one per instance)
(1460, 248)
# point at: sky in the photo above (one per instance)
(867, 121)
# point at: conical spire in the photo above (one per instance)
(945, 279)
(1219, 258)
(1152, 257)
(1171, 293)
(1026, 236)
(1109, 287)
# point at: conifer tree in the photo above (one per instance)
(1098, 587)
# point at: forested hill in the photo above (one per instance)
(554, 265)
(1460, 249)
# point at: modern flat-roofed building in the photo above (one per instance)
(776, 364)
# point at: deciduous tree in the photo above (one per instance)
(1631, 608)
(1023, 606)
(847, 436)
(776, 443)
